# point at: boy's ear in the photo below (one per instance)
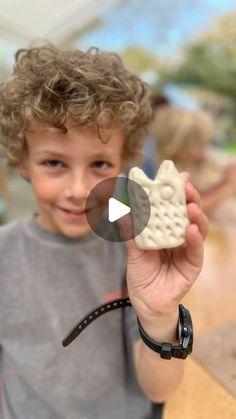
(22, 169)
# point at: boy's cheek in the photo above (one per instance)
(44, 190)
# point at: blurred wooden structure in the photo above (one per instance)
(212, 302)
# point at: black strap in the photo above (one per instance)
(94, 314)
(167, 350)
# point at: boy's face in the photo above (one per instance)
(64, 168)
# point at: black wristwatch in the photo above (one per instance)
(167, 350)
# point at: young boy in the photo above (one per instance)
(68, 121)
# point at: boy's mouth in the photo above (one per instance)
(82, 215)
(75, 212)
(74, 215)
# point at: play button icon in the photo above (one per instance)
(116, 210)
(108, 202)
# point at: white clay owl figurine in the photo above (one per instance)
(168, 218)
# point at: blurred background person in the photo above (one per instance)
(149, 164)
(186, 137)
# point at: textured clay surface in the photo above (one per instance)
(168, 219)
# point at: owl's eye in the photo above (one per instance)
(167, 192)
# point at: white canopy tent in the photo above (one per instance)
(24, 21)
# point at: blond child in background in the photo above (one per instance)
(185, 136)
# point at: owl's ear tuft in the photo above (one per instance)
(167, 167)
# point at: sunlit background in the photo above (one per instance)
(186, 51)
(185, 48)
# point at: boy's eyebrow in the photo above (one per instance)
(94, 155)
(49, 153)
(105, 153)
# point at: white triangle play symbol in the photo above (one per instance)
(116, 209)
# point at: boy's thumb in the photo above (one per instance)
(125, 225)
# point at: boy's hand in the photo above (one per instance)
(159, 279)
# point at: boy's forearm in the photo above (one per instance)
(158, 377)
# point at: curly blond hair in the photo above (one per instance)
(50, 86)
(178, 129)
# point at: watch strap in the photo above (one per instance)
(167, 350)
(93, 315)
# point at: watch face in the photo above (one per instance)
(185, 330)
(179, 332)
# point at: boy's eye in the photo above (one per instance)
(101, 164)
(53, 164)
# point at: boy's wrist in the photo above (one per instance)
(183, 341)
(162, 328)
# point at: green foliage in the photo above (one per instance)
(209, 66)
(211, 62)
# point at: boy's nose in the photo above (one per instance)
(78, 186)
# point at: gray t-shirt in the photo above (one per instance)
(47, 284)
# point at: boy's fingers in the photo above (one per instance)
(197, 217)
(194, 247)
(125, 225)
(192, 194)
(185, 176)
